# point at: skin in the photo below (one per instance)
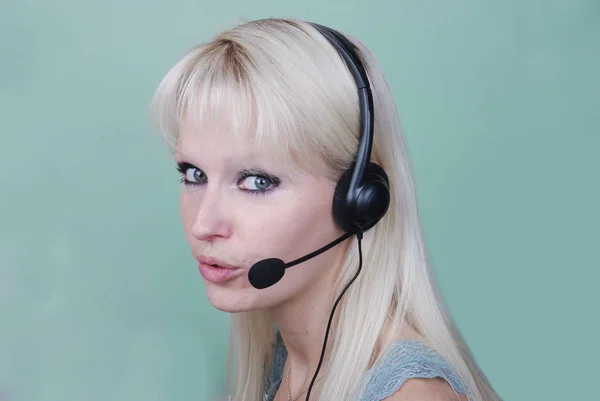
(243, 220)
(222, 219)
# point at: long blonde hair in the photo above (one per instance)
(283, 81)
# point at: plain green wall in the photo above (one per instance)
(99, 296)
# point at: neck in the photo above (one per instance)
(302, 323)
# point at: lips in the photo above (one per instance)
(217, 271)
(208, 260)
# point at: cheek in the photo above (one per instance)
(297, 229)
(187, 212)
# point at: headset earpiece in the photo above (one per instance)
(368, 207)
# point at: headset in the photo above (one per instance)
(362, 194)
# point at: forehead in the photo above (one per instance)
(216, 141)
(214, 138)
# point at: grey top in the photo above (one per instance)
(403, 360)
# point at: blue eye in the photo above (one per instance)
(190, 174)
(257, 182)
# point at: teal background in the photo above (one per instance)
(99, 296)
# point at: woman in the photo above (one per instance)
(265, 120)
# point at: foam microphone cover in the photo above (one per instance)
(266, 272)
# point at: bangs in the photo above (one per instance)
(221, 83)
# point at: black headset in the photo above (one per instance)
(362, 195)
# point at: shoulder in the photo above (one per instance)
(434, 389)
(412, 371)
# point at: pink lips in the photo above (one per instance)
(215, 270)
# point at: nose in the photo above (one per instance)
(211, 221)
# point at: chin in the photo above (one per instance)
(238, 300)
(230, 307)
(227, 308)
(228, 299)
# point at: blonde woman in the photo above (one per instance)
(298, 203)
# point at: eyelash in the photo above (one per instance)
(183, 167)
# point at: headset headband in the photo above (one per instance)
(365, 101)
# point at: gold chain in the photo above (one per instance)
(287, 379)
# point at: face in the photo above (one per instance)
(240, 204)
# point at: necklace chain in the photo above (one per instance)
(287, 379)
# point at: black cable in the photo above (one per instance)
(359, 236)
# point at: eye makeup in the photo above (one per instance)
(193, 176)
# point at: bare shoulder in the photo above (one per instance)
(426, 390)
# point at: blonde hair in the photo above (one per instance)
(281, 82)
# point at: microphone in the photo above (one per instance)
(267, 272)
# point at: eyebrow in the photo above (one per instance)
(253, 166)
(228, 159)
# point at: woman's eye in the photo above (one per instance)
(256, 183)
(191, 175)
(194, 175)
